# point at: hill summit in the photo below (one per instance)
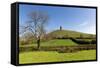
(68, 33)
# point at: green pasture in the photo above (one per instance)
(55, 42)
(53, 56)
(59, 42)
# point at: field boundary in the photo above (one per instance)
(58, 48)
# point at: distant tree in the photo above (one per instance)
(36, 25)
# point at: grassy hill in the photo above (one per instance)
(32, 56)
(52, 37)
(55, 42)
(68, 33)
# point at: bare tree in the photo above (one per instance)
(36, 25)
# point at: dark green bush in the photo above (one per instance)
(93, 42)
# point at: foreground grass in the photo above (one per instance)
(53, 56)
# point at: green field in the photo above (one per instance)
(55, 42)
(59, 42)
(53, 56)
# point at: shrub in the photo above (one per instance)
(80, 41)
(93, 42)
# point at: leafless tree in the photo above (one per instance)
(36, 25)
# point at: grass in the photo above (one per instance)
(53, 56)
(68, 33)
(58, 42)
(55, 42)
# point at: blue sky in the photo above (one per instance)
(70, 18)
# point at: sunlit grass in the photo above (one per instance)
(53, 56)
(55, 42)
(59, 42)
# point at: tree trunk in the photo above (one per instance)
(38, 43)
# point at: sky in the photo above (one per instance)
(70, 18)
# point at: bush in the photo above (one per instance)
(59, 49)
(23, 42)
(80, 41)
(93, 42)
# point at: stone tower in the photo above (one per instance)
(60, 27)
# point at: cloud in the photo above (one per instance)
(91, 29)
(88, 29)
(83, 24)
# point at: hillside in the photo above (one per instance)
(68, 33)
(28, 39)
